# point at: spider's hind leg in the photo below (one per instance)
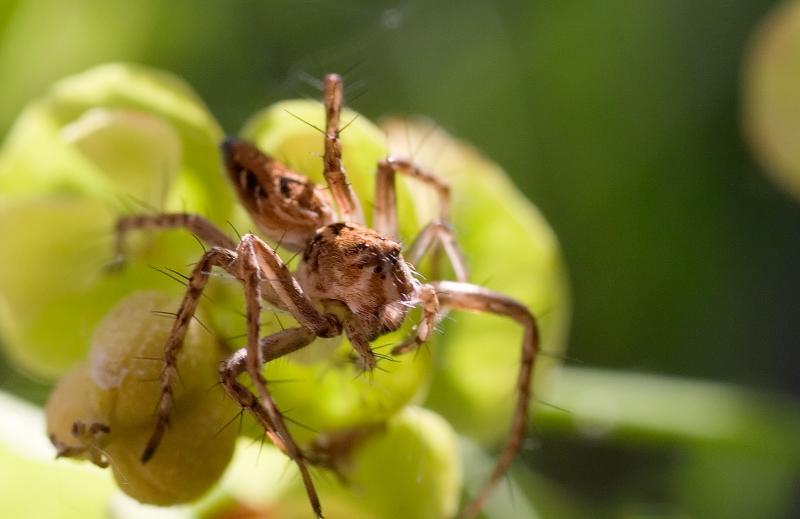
(435, 232)
(205, 231)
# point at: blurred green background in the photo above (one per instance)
(618, 119)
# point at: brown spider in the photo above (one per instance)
(351, 279)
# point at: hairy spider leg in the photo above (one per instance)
(260, 264)
(195, 224)
(198, 279)
(441, 232)
(271, 347)
(436, 232)
(254, 264)
(342, 191)
(385, 210)
(473, 298)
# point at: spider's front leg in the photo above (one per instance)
(251, 258)
(272, 347)
(431, 315)
(473, 298)
(220, 255)
(257, 266)
(260, 265)
(198, 280)
(441, 296)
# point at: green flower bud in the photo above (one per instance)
(408, 468)
(105, 411)
(424, 481)
(126, 357)
(52, 288)
(113, 140)
(74, 408)
(771, 98)
(192, 455)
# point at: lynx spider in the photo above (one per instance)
(351, 280)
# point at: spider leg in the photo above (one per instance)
(255, 264)
(250, 276)
(197, 282)
(438, 231)
(195, 224)
(270, 348)
(260, 264)
(343, 193)
(206, 231)
(275, 276)
(473, 298)
(385, 212)
(361, 346)
(430, 318)
(425, 241)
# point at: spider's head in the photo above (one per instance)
(285, 205)
(364, 270)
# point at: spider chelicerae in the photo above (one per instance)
(351, 280)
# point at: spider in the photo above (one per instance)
(351, 280)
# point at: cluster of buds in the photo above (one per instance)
(122, 139)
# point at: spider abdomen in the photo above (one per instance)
(284, 204)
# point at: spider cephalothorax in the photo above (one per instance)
(351, 279)
(364, 270)
(343, 262)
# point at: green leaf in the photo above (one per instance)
(651, 409)
(719, 435)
